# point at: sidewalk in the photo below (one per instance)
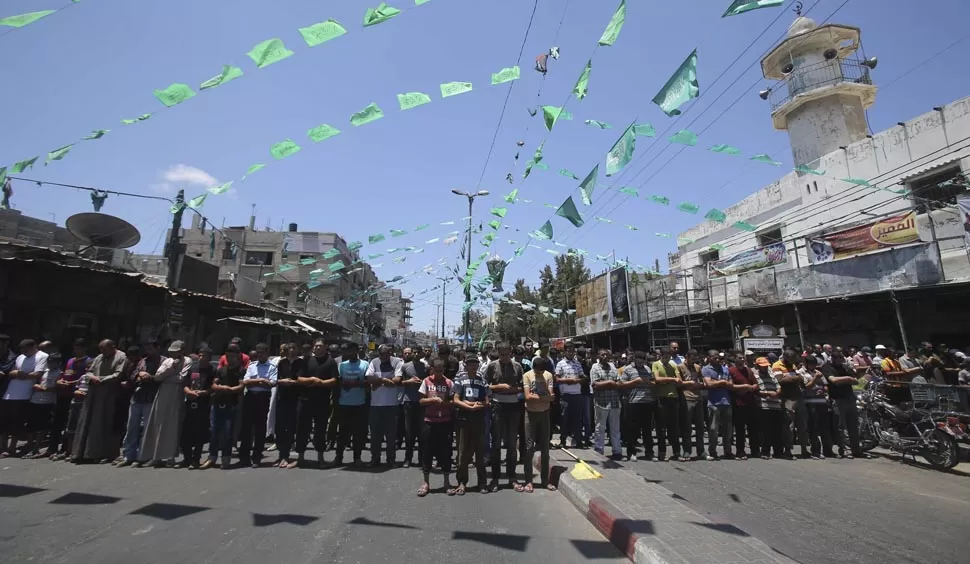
(648, 523)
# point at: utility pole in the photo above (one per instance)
(444, 286)
(173, 250)
(468, 256)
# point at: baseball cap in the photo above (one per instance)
(176, 346)
(880, 348)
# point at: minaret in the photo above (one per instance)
(823, 88)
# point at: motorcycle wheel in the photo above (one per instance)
(867, 441)
(941, 451)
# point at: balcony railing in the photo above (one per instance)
(818, 75)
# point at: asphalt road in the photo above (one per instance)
(58, 512)
(831, 511)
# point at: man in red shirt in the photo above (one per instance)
(747, 405)
(244, 358)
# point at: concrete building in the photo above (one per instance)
(772, 258)
(396, 311)
(289, 269)
(15, 227)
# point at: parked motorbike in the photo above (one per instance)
(909, 429)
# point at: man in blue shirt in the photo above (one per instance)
(719, 385)
(258, 382)
(352, 405)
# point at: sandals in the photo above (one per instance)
(519, 487)
(528, 488)
(551, 487)
(423, 490)
(452, 491)
(460, 490)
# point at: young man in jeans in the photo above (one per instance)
(641, 407)
(471, 398)
(569, 376)
(504, 377)
(606, 402)
(718, 382)
(226, 389)
(538, 386)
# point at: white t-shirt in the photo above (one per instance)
(18, 389)
(49, 381)
(385, 395)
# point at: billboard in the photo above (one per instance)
(754, 259)
(875, 236)
(619, 297)
(592, 306)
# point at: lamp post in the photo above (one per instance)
(468, 253)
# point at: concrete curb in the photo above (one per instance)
(622, 530)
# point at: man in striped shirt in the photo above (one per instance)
(773, 418)
(606, 402)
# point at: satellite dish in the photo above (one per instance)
(103, 230)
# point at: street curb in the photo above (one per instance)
(619, 528)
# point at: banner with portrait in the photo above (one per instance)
(619, 297)
(754, 259)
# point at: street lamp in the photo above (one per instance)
(468, 253)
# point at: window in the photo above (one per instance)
(304, 257)
(770, 236)
(815, 184)
(938, 190)
(709, 256)
(227, 253)
(259, 258)
(808, 188)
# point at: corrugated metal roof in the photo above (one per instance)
(932, 165)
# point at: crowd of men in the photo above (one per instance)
(146, 405)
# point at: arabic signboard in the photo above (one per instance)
(754, 259)
(884, 234)
(764, 345)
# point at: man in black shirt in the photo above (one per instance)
(145, 388)
(226, 390)
(471, 399)
(291, 369)
(841, 378)
(504, 377)
(313, 407)
(415, 371)
(195, 426)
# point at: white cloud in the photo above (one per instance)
(182, 176)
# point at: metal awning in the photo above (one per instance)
(307, 326)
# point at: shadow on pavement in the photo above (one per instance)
(509, 542)
(723, 527)
(734, 498)
(8, 490)
(79, 498)
(594, 550)
(168, 511)
(263, 520)
(366, 521)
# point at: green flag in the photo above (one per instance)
(284, 149)
(680, 88)
(322, 32)
(58, 154)
(23, 165)
(662, 200)
(688, 207)
(604, 219)
(412, 100)
(24, 19)
(582, 85)
(321, 132)
(549, 115)
(96, 134)
(422, 227)
(254, 168)
(568, 174)
(857, 181)
(505, 75)
(621, 152)
(494, 224)
(644, 130)
(629, 191)
(511, 196)
(419, 2)
(380, 14)
(455, 88)
(498, 212)
(745, 226)
(716, 215)
(196, 202)
(588, 184)
(174, 94)
(331, 253)
(616, 24)
(398, 232)
(568, 210)
(598, 123)
(726, 149)
(738, 7)
(228, 73)
(632, 227)
(763, 158)
(339, 265)
(684, 137)
(367, 115)
(220, 189)
(142, 117)
(544, 232)
(269, 52)
(806, 170)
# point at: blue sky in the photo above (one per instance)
(98, 61)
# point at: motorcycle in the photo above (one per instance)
(909, 429)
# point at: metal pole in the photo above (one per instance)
(936, 242)
(663, 295)
(173, 250)
(899, 318)
(687, 317)
(468, 264)
(798, 320)
(444, 284)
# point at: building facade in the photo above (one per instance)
(863, 242)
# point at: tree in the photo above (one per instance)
(477, 323)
